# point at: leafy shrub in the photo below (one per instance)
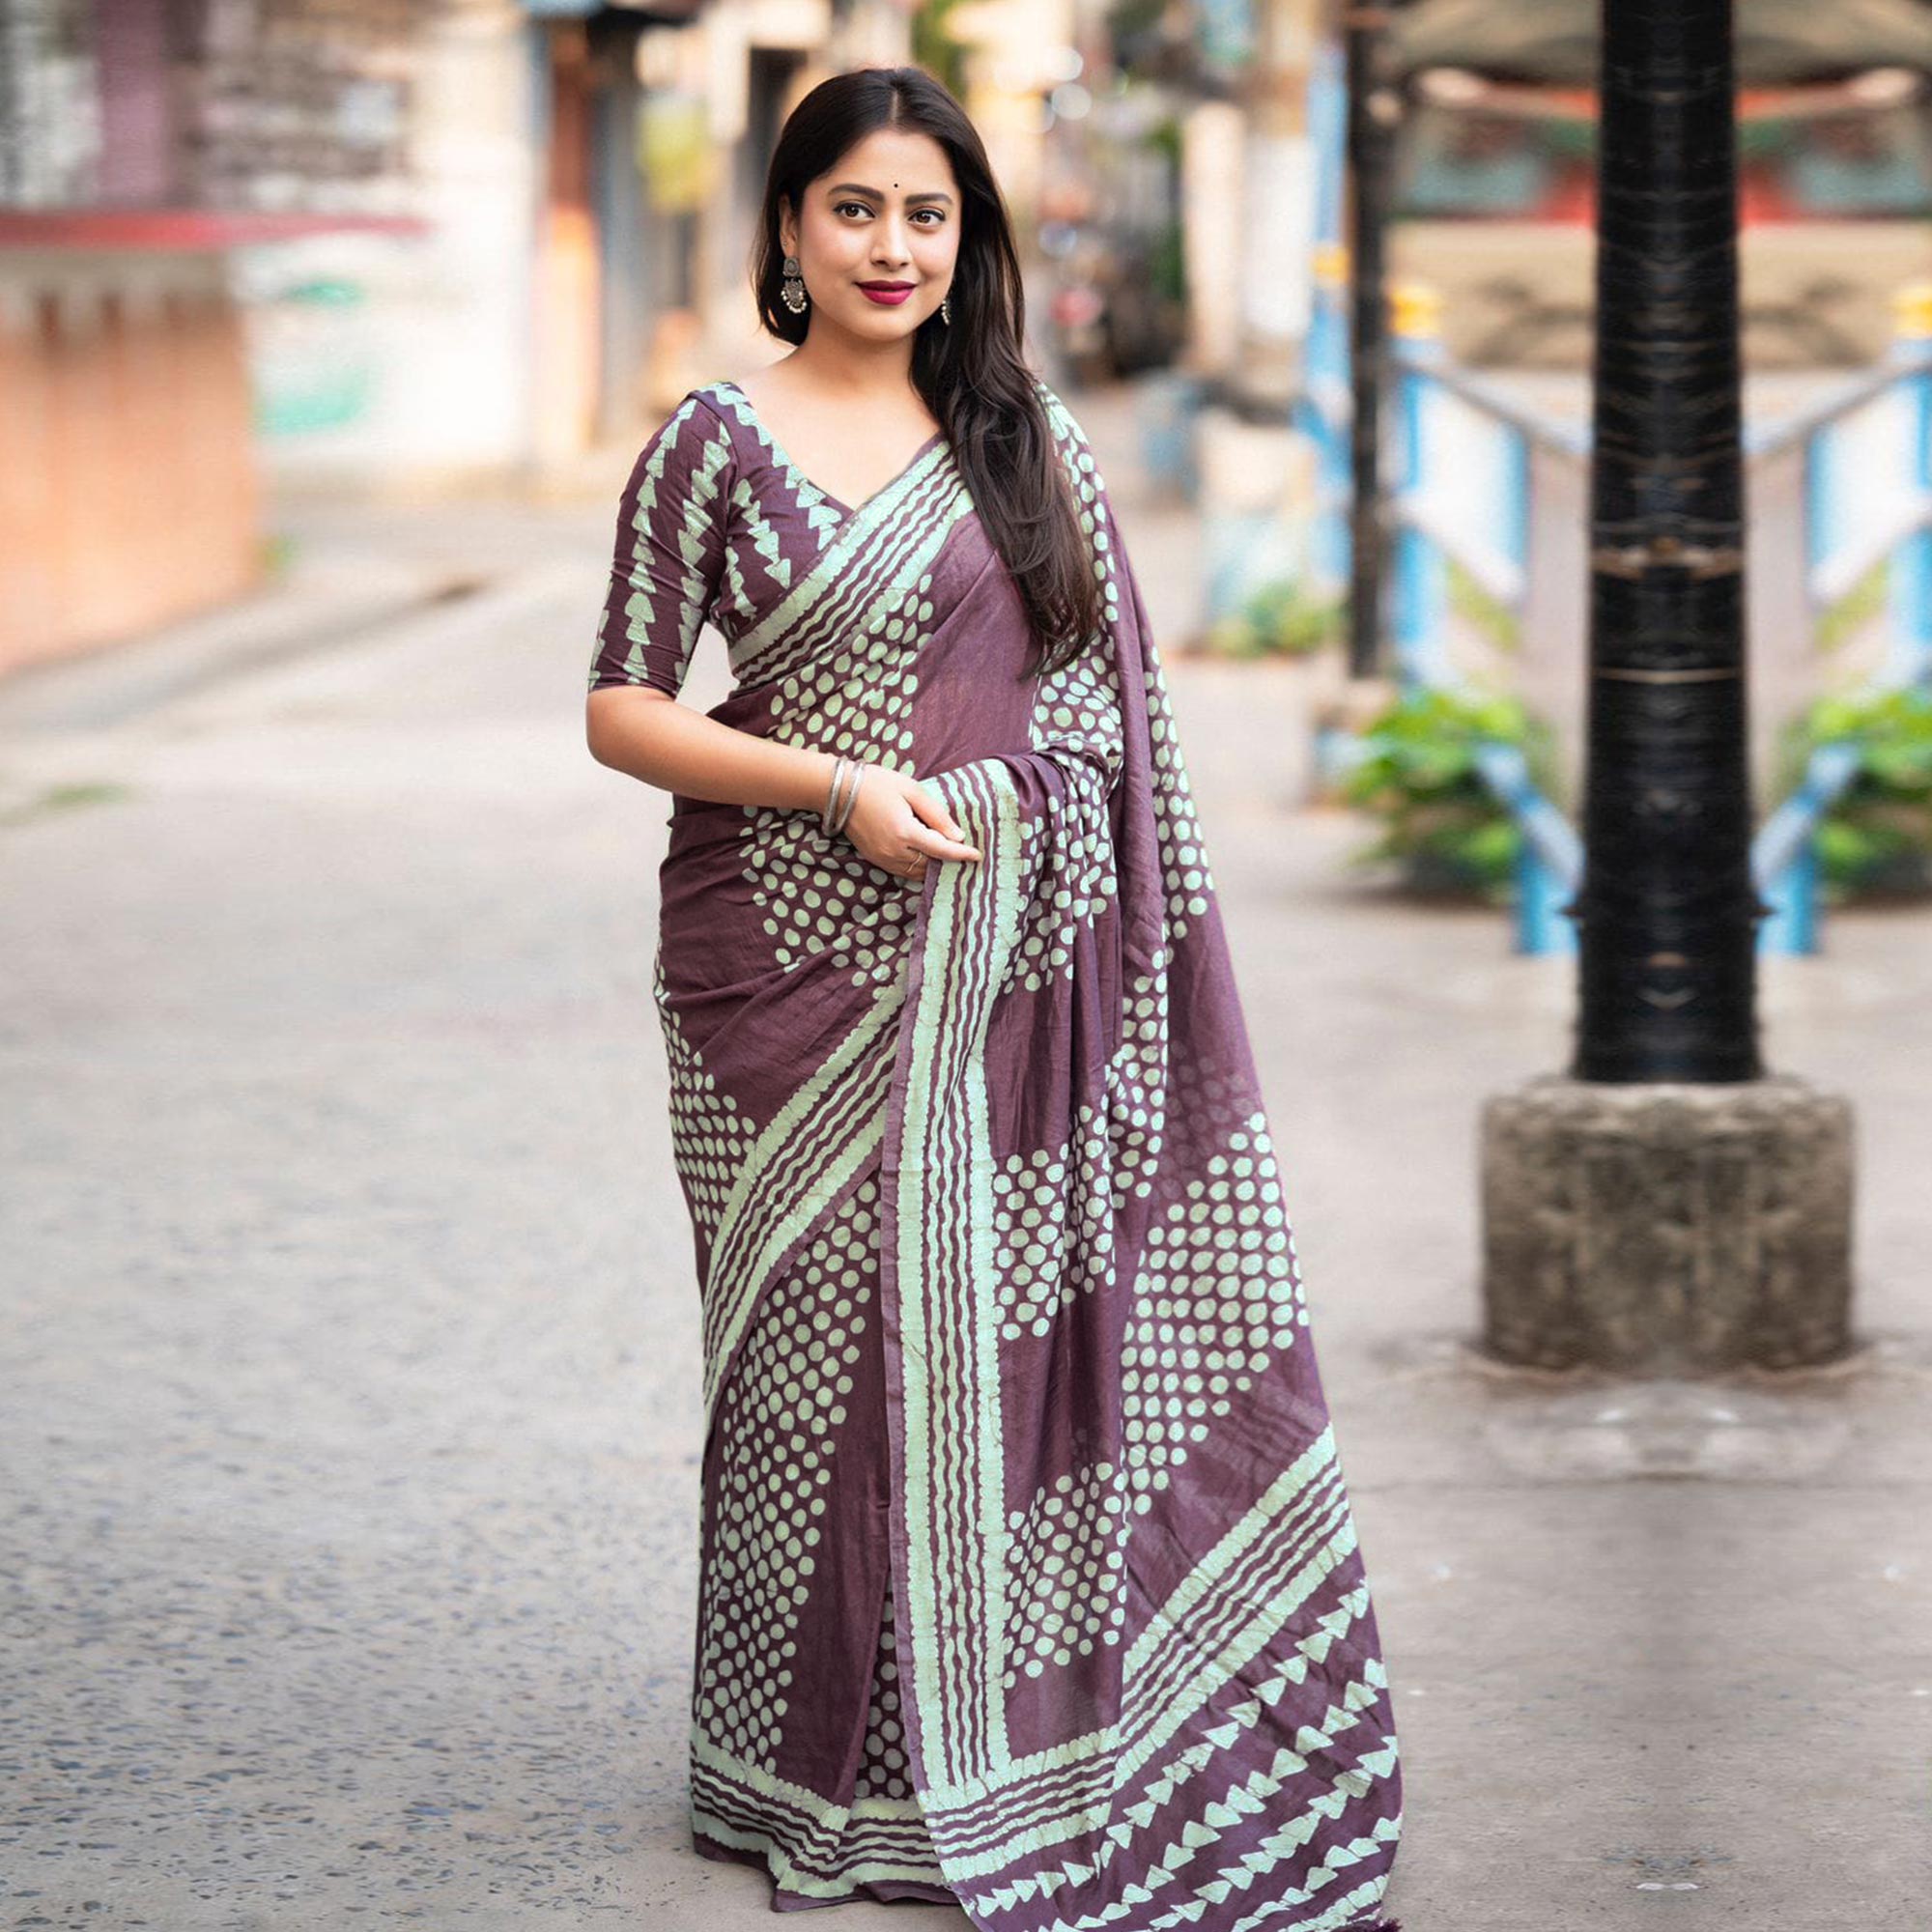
(1282, 618)
(1419, 774)
(1877, 834)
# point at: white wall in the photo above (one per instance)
(429, 373)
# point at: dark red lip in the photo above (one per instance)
(885, 285)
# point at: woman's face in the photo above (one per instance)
(887, 213)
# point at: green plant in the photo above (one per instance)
(1419, 774)
(1282, 618)
(1877, 833)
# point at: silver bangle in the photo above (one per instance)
(852, 796)
(839, 765)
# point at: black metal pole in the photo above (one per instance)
(1666, 910)
(1363, 28)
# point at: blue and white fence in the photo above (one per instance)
(1473, 472)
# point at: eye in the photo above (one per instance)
(938, 216)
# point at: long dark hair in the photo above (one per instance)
(969, 372)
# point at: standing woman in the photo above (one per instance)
(1028, 1575)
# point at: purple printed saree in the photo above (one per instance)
(1028, 1575)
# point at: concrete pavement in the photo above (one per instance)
(352, 1368)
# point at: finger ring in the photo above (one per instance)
(916, 862)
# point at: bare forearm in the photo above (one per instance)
(661, 741)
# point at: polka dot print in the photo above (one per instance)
(1076, 715)
(1183, 857)
(1053, 1237)
(1066, 1574)
(1073, 881)
(858, 698)
(884, 1769)
(817, 895)
(1218, 1291)
(1137, 1085)
(781, 1417)
(1083, 701)
(1077, 709)
(710, 1138)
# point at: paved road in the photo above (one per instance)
(352, 1365)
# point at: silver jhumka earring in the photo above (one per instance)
(791, 289)
(945, 309)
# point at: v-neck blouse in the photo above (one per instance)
(716, 525)
(748, 412)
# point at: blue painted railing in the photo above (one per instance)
(1461, 450)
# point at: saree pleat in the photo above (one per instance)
(1028, 1575)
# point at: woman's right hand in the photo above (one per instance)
(897, 824)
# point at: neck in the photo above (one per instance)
(837, 360)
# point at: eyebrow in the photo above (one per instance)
(860, 187)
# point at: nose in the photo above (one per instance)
(889, 243)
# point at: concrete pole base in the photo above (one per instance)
(1666, 1228)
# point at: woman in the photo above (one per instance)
(1028, 1574)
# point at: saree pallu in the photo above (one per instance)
(1028, 1573)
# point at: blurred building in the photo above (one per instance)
(412, 247)
(142, 147)
(653, 130)
(398, 245)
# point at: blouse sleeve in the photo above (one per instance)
(670, 552)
